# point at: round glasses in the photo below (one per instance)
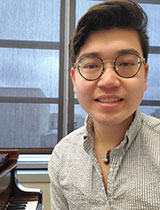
(125, 65)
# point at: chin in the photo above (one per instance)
(113, 120)
(108, 121)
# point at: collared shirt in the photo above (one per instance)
(133, 181)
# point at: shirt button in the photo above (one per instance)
(106, 206)
(111, 170)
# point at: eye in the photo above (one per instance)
(127, 60)
(125, 64)
(90, 66)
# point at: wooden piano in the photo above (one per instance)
(12, 194)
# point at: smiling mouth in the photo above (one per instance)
(109, 100)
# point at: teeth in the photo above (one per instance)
(109, 100)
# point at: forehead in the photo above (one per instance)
(108, 43)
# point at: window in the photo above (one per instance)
(37, 103)
(30, 75)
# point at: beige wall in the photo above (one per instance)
(37, 180)
(45, 188)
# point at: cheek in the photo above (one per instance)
(84, 89)
(137, 88)
(81, 89)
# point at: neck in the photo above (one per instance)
(110, 136)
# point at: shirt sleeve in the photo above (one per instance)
(57, 198)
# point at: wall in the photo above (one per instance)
(45, 188)
(39, 181)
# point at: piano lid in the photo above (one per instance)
(3, 158)
(10, 188)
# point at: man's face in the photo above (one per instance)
(110, 100)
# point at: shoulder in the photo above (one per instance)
(151, 121)
(74, 138)
(151, 124)
(67, 148)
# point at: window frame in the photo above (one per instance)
(66, 99)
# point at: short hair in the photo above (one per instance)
(109, 14)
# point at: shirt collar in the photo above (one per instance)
(88, 135)
(129, 136)
(134, 128)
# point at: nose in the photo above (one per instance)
(109, 78)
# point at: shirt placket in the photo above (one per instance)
(116, 158)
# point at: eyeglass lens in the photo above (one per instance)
(126, 66)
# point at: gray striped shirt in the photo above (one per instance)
(133, 177)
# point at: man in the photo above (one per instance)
(113, 161)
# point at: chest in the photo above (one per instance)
(129, 185)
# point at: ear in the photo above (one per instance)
(146, 76)
(72, 75)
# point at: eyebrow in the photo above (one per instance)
(128, 51)
(96, 54)
(120, 52)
